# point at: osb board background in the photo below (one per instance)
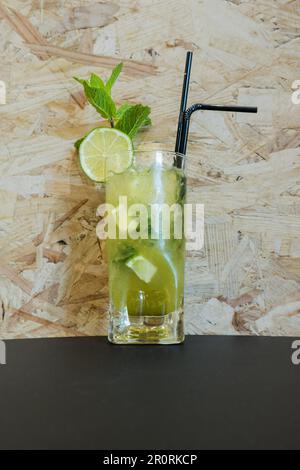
(245, 169)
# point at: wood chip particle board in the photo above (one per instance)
(244, 169)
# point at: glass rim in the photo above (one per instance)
(166, 152)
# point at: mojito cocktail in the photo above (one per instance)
(146, 253)
(145, 192)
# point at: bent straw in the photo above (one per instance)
(184, 97)
(205, 107)
(185, 114)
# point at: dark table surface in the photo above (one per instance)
(210, 392)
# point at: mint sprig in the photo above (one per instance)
(128, 118)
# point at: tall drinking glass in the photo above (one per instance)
(146, 249)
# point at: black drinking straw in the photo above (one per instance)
(206, 107)
(185, 114)
(184, 97)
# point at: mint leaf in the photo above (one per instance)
(100, 99)
(78, 142)
(132, 119)
(124, 107)
(114, 76)
(80, 80)
(147, 122)
(124, 253)
(96, 81)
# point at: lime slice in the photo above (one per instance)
(105, 151)
(142, 268)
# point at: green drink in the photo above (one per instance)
(146, 273)
(145, 257)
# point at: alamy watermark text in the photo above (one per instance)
(152, 221)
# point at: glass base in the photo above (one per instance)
(166, 329)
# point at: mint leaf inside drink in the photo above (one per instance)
(124, 253)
